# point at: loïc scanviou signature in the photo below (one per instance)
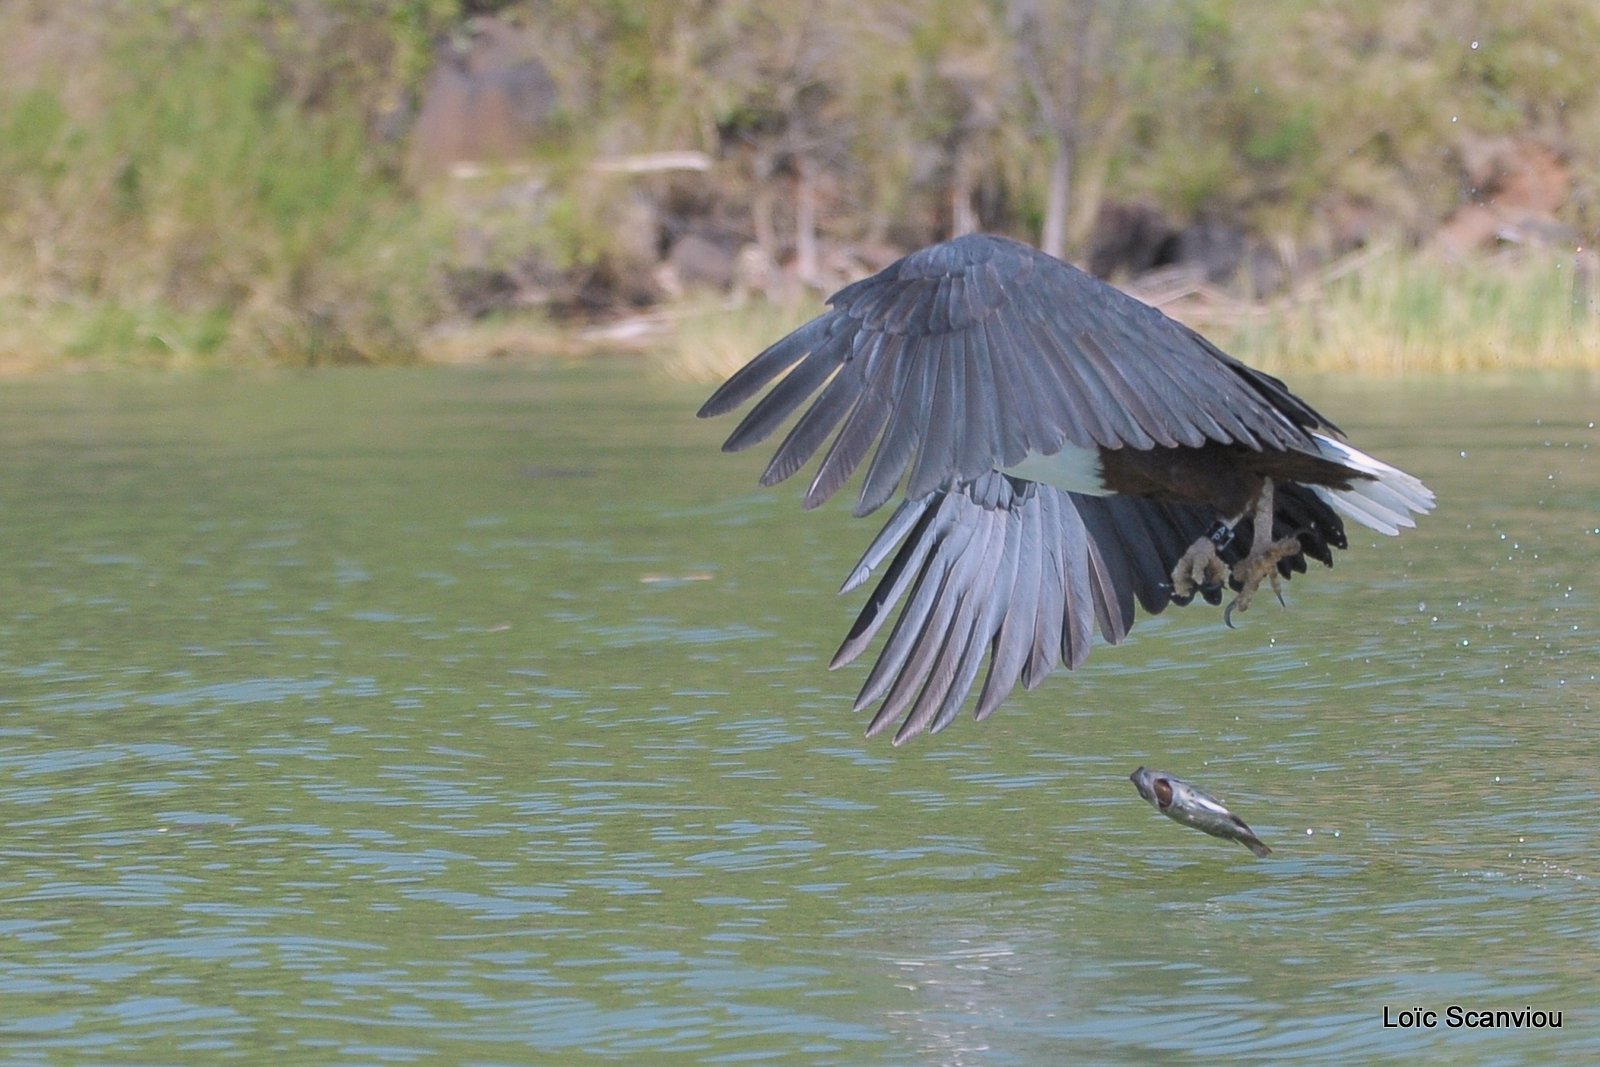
(1455, 1016)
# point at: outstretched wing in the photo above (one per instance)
(967, 356)
(1021, 571)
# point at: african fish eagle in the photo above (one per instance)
(1066, 450)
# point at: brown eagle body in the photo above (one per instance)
(1227, 477)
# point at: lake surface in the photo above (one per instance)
(481, 716)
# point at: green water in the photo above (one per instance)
(481, 717)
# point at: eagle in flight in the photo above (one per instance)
(1066, 451)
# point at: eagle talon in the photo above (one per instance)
(1259, 566)
(1200, 568)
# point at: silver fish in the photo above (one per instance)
(1182, 802)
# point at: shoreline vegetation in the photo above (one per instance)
(1395, 187)
(1385, 312)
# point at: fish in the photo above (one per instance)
(1182, 802)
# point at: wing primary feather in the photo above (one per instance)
(925, 673)
(1052, 367)
(1112, 599)
(1078, 608)
(1022, 426)
(1022, 572)
(864, 423)
(1296, 417)
(902, 435)
(1152, 547)
(927, 609)
(1092, 400)
(1173, 370)
(943, 655)
(1052, 601)
(905, 517)
(1120, 538)
(1137, 424)
(984, 604)
(775, 359)
(838, 397)
(947, 690)
(979, 417)
(1139, 390)
(961, 685)
(1014, 637)
(1117, 427)
(905, 690)
(905, 568)
(1113, 606)
(935, 460)
(770, 411)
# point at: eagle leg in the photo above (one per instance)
(1199, 568)
(1265, 554)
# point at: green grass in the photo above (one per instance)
(1402, 312)
(711, 339)
(1390, 312)
(176, 205)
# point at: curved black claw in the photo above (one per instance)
(1227, 612)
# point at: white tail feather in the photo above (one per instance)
(1384, 501)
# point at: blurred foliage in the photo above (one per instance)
(1400, 314)
(192, 180)
(207, 182)
(1268, 114)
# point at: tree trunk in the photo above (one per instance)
(805, 224)
(1058, 201)
(963, 217)
(761, 209)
